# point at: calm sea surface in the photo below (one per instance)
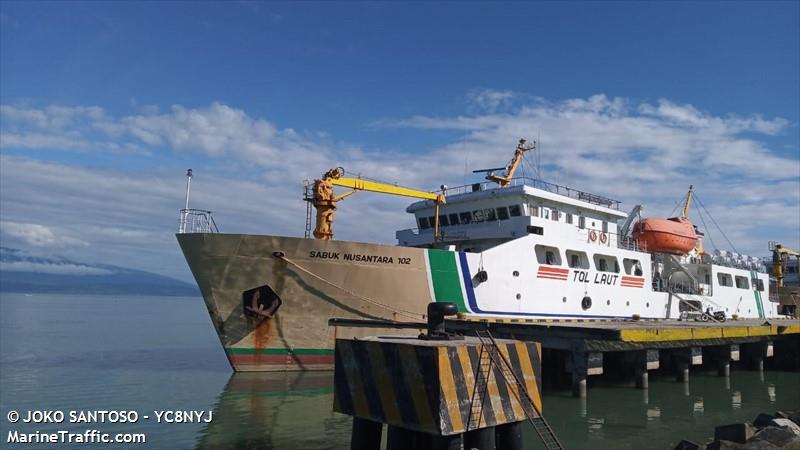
(149, 354)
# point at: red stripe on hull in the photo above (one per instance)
(552, 277)
(633, 279)
(553, 270)
(280, 360)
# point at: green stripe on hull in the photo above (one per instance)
(757, 294)
(445, 278)
(278, 351)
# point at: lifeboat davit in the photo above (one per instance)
(675, 235)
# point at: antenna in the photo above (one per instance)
(188, 186)
(185, 210)
(538, 154)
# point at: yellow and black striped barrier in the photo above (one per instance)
(429, 386)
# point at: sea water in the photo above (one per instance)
(151, 355)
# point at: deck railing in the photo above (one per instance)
(196, 221)
(538, 184)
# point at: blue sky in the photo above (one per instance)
(105, 104)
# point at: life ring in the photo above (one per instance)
(603, 238)
(592, 236)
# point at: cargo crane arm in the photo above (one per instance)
(505, 180)
(325, 201)
(780, 255)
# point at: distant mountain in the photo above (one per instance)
(20, 272)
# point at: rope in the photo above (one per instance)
(708, 230)
(402, 312)
(715, 224)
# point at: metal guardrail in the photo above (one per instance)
(538, 184)
(196, 221)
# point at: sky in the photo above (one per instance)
(104, 105)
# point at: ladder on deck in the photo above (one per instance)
(308, 196)
(490, 356)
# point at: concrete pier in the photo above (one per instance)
(580, 346)
(436, 394)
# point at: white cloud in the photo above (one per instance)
(491, 99)
(38, 235)
(637, 152)
(55, 268)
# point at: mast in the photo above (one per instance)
(685, 212)
(185, 210)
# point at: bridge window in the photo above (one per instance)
(489, 214)
(477, 215)
(432, 221)
(545, 213)
(577, 260)
(502, 213)
(605, 227)
(760, 284)
(569, 218)
(548, 255)
(724, 279)
(632, 266)
(423, 223)
(453, 219)
(606, 263)
(534, 211)
(443, 222)
(466, 218)
(554, 215)
(581, 222)
(514, 211)
(742, 282)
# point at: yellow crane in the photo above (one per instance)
(788, 296)
(324, 199)
(780, 256)
(505, 180)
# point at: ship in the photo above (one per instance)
(507, 247)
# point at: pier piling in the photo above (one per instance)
(366, 434)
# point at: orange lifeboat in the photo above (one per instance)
(675, 235)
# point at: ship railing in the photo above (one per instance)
(196, 221)
(538, 184)
(736, 264)
(628, 243)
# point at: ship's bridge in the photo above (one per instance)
(482, 215)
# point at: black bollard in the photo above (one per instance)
(509, 436)
(480, 439)
(436, 314)
(366, 435)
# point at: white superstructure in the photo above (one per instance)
(536, 249)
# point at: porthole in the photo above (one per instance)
(608, 302)
(564, 299)
(586, 303)
(515, 273)
(647, 304)
(519, 296)
(627, 303)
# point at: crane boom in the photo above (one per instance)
(505, 180)
(360, 184)
(324, 199)
(687, 203)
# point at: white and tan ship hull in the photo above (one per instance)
(298, 285)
